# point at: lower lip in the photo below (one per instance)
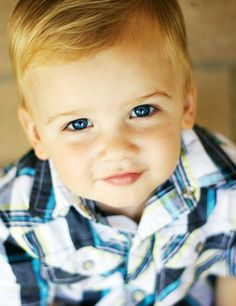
(124, 179)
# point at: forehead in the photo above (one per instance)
(131, 65)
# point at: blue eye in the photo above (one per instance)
(142, 111)
(79, 124)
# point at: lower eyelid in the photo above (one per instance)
(68, 130)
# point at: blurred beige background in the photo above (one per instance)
(211, 28)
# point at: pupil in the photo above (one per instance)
(142, 111)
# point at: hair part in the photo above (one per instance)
(46, 31)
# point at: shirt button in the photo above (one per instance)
(138, 295)
(88, 265)
(188, 192)
(83, 208)
(85, 211)
(199, 247)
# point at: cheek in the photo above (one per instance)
(162, 146)
(74, 171)
(68, 148)
(164, 135)
(71, 161)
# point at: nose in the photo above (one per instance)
(116, 146)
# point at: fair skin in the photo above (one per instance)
(117, 158)
(134, 108)
(226, 291)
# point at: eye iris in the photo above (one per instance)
(80, 124)
(142, 111)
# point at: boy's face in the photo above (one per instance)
(111, 123)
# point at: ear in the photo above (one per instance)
(190, 106)
(30, 128)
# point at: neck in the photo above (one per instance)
(133, 213)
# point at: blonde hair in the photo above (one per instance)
(44, 31)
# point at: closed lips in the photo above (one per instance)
(123, 178)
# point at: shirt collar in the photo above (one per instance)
(197, 168)
(197, 162)
(178, 196)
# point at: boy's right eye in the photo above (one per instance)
(78, 124)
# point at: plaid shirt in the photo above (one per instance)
(55, 246)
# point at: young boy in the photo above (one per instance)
(122, 201)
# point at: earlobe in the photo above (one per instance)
(190, 105)
(32, 133)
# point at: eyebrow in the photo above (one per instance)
(73, 112)
(155, 93)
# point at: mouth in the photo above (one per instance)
(123, 179)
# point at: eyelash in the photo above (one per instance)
(147, 110)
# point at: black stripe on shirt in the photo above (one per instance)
(23, 268)
(79, 228)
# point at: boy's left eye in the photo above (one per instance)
(142, 111)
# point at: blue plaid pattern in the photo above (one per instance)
(58, 248)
